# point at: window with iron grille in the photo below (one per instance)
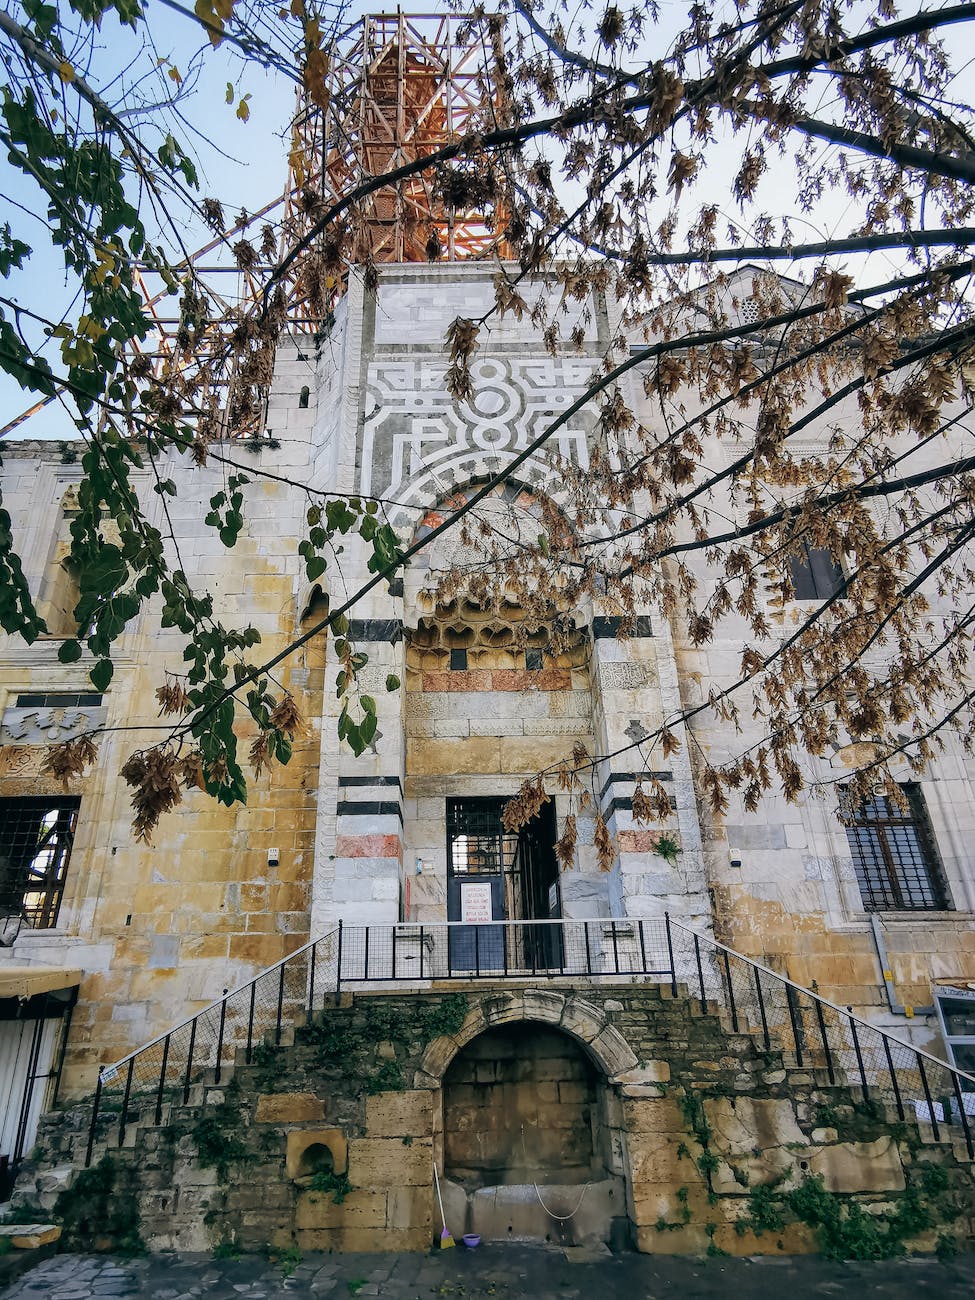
(814, 573)
(477, 843)
(36, 835)
(894, 854)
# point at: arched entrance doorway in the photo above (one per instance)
(529, 1150)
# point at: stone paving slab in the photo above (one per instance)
(503, 1272)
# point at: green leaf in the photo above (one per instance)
(367, 728)
(315, 568)
(357, 741)
(69, 652)
(368, 527)
(101, 674)
(392, 682)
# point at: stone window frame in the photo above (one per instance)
(900, 873)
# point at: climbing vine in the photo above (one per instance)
(351, 1042)
(218, 1141)
(100, 1212)
(845, 1229)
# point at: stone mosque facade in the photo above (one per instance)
(117, 940)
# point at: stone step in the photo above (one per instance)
(29, 1236)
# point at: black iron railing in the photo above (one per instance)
(205, 1046)
(897, 1080)
(503, 949)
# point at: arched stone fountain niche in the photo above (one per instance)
(528, 1140)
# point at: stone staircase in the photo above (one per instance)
(326, 1139)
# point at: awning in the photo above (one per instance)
(28, 981)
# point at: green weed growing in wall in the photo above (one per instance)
(218, 1145)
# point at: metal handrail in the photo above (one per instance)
(661, 958)
(400, 926)
(113, 1069)
(846, 1012)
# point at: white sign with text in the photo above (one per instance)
(475, 904)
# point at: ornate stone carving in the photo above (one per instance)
(48, 726)
(415, 431)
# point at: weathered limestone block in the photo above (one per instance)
(438, 1056)
(820, 1136)
(410, 1208)
(289, 1108)
(360, 1209)
(540, 1004)
(399, 1114)
(740, 1124)
(513, 1212)
(386, 1162)
(474, 1021)
(613, 1051)
(300, 1140)
(661, 1115)
(654, 1161)
(792, 1239)
(29, 1236)
(663, 1203)
(191, 1174)
(429, 757)
(689, 1239)
(647, 1072)
(773, 1165)
(582, 1019)
(56, 1180)
(859, 1166)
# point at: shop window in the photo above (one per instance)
(894, 854)
(36, 835)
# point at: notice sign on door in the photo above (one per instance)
(475, 904)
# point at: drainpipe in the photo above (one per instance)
(895, 1007)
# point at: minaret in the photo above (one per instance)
(488, 695)
(398, 88)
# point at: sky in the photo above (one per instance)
(244, 164)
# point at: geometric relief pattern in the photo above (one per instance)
(416, 433)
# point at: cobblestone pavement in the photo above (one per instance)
(505, 1272)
